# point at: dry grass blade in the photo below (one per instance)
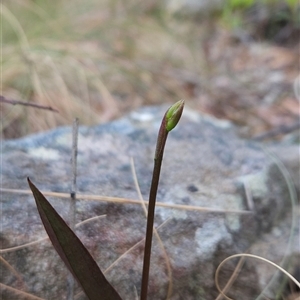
(84, 76)
(125, 253)
(294, 203)
(13, 271)
(130, 201)
(232, 278)
(11, 249)
(255, 257)
(7, 14)
(131, 249)
(13, 293)
(293, 198)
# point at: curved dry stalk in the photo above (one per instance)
(255, 257)
(6, 13)
(232, 278)
(110, 105)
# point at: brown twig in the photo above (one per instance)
(16, 102)
(70, 280)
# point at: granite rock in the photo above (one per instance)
(206, 164)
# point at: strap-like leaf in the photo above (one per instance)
(73, 252)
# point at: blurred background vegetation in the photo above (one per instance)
(97, 60)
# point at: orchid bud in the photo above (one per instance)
(173, 115)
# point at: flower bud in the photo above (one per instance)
(173, 115)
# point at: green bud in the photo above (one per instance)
(173, 115)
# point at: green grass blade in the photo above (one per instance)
(71, 250)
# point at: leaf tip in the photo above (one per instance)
(31, 185)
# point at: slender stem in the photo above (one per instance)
(169, 121)
(160, 145)
(150, 218)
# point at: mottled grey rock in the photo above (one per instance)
(191, 6)
(205, 164)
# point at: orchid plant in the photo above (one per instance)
(72, 251)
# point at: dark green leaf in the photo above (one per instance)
(73, 252)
